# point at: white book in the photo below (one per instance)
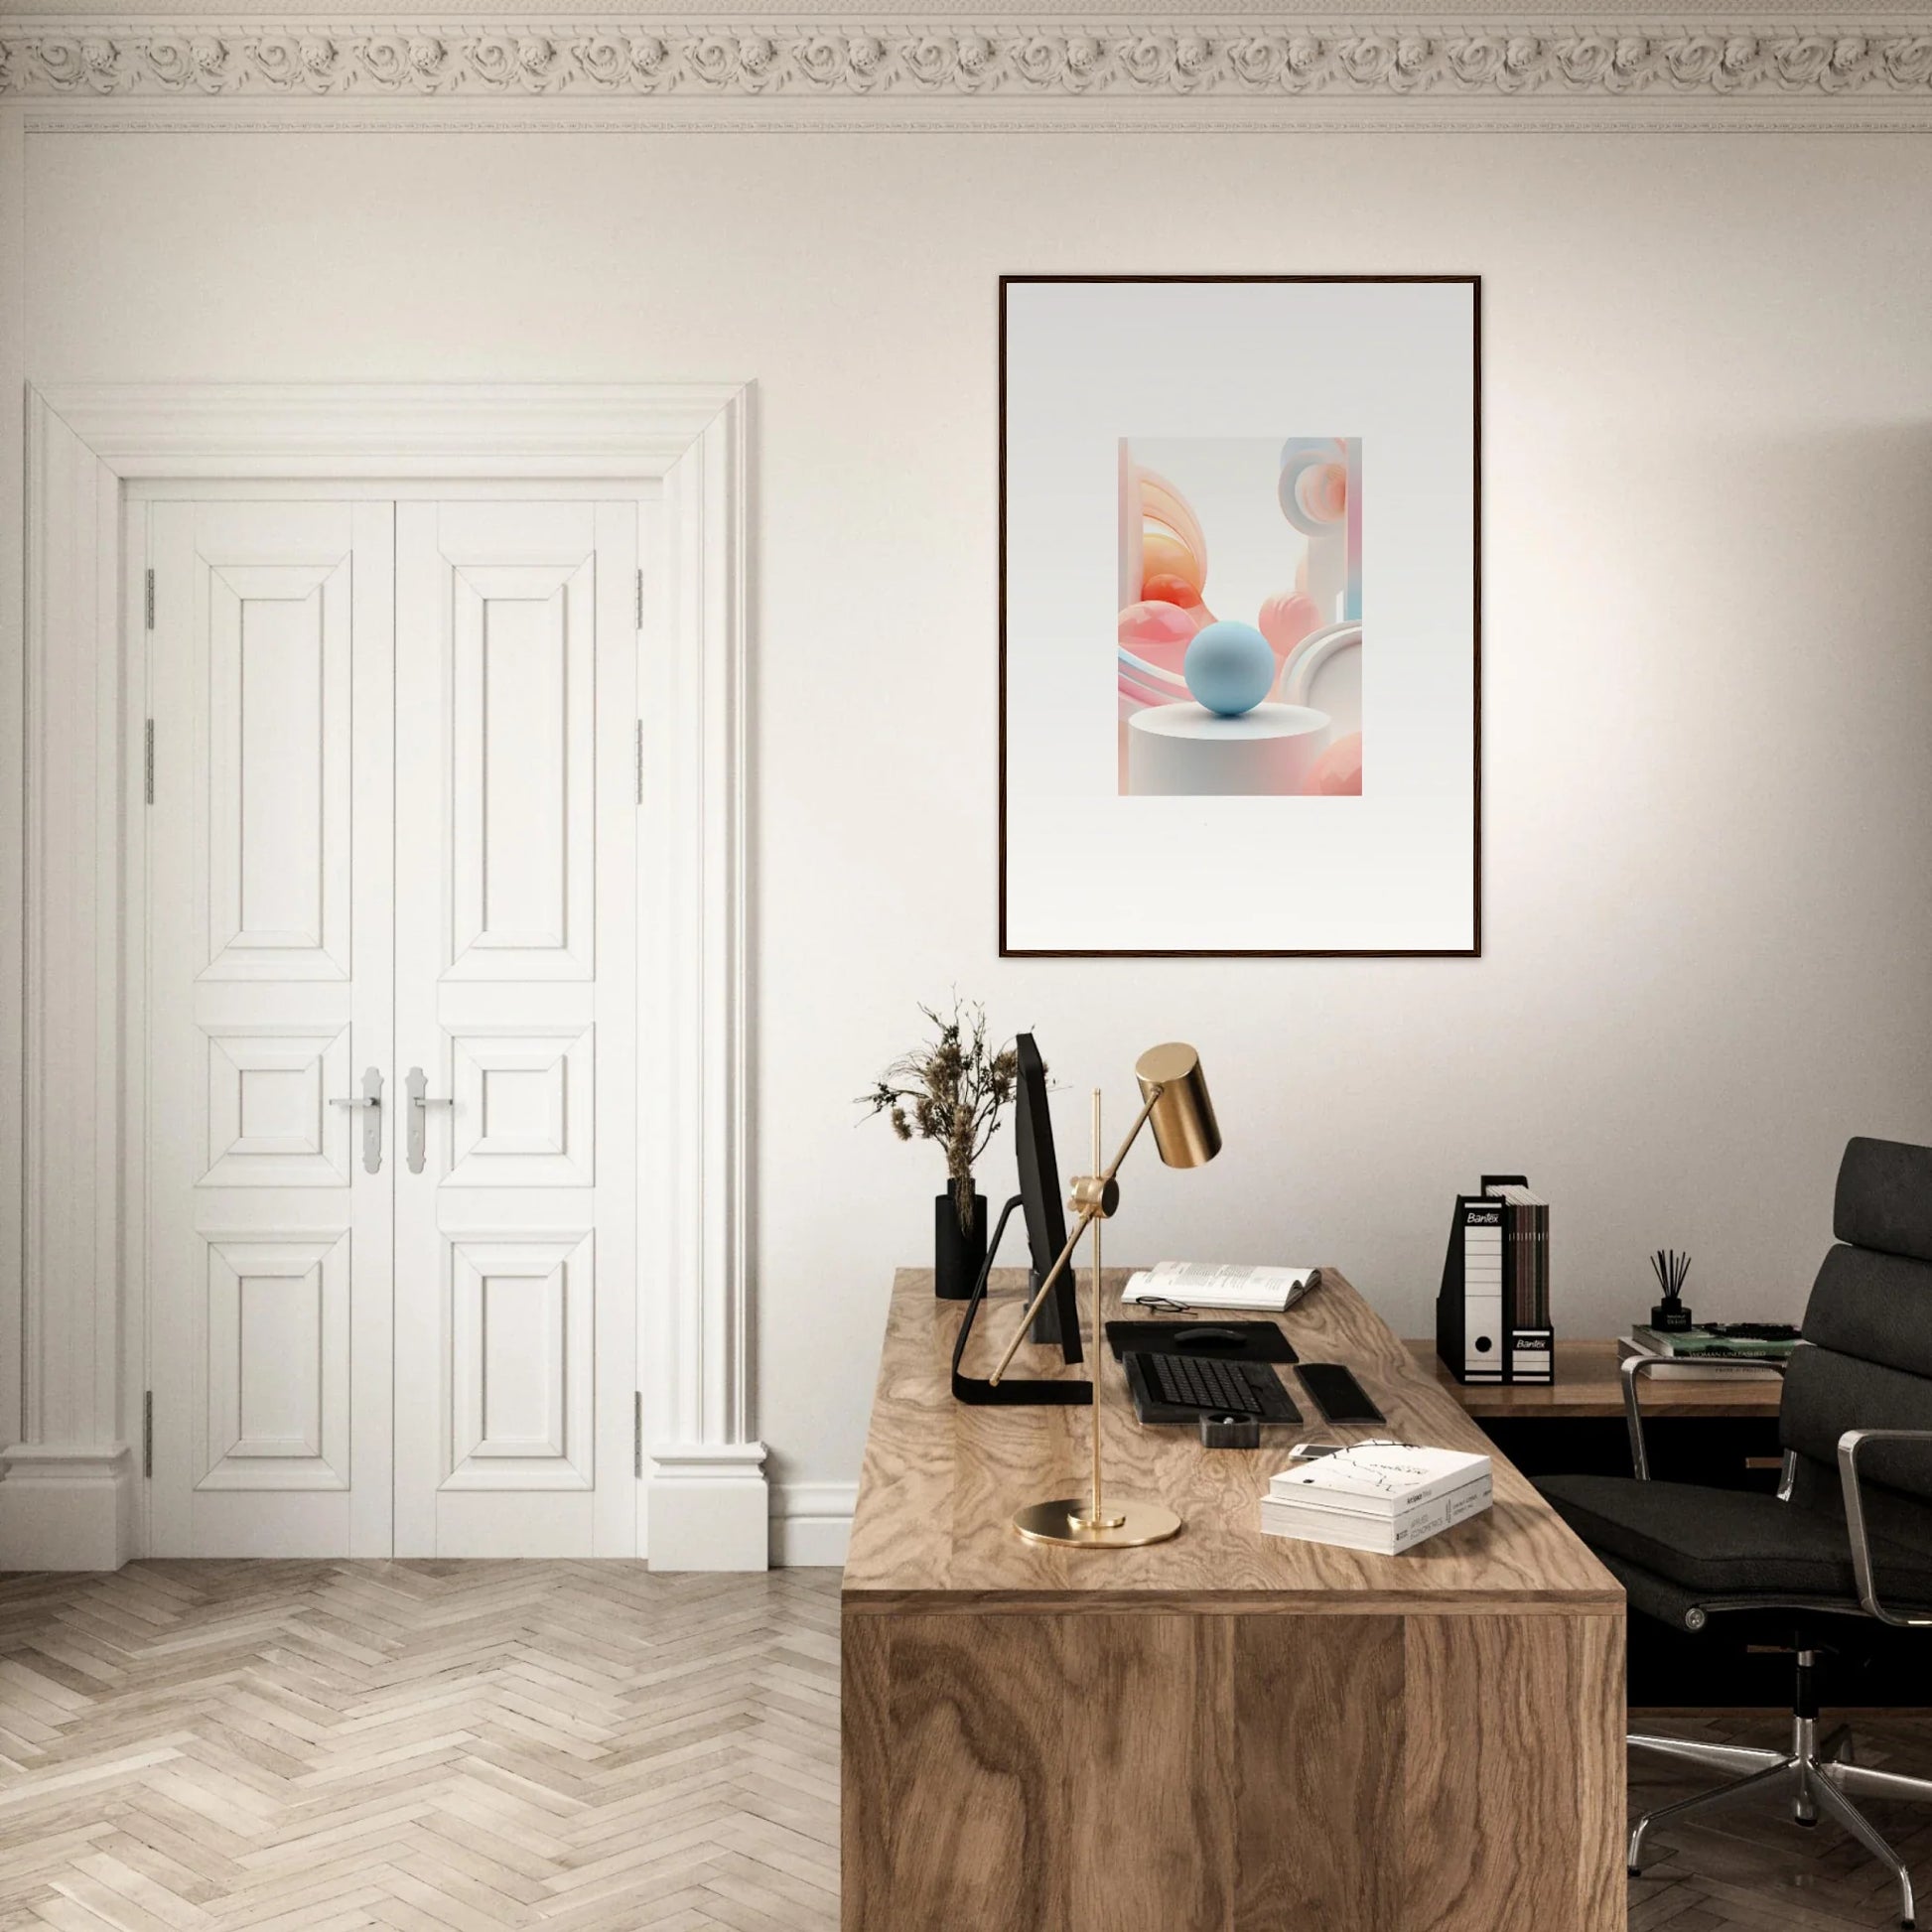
(1219, 1285)
(1378, 1478)
(1388, 1536)
(1382, 1535)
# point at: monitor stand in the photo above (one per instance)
(1012, 1391)
(1046, 1323)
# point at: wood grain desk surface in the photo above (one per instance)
(942, 1478)
(1587, 1386)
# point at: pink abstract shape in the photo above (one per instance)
(1337, 772)
(1163, 554)
(1322, 493)
(1159, 633)
(1286, 618)
(1141, 691)
(1132, 569)
(1172, 590)
(1161, 503)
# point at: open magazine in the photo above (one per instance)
(1219, 1285)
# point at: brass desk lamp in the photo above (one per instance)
(1174, 1098)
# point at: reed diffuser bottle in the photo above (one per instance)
(1670, 1317)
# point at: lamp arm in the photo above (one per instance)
(1133, 1132)
(1088, 1215)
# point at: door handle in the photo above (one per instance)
(420, 1102)
(370, 1098)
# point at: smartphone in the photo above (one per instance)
(1337, 1394)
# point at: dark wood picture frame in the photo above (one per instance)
(1474, 949)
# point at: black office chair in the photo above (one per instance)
(1849, 1536)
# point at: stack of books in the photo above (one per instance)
(1687, 1350)
(1526, 1253)
(1381, 1496)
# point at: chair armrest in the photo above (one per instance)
(1634, 1368)
(1849, 1445)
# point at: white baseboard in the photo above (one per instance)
(65, 1507)
(709, 1507)
(811, 1523)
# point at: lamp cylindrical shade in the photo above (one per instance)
(1184, 1128)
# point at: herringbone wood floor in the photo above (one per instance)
(430, 1747)
(457, 1747)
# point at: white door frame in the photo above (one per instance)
(71, 1476)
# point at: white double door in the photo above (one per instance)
(392, 855)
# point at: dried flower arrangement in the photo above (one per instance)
(951, 1090)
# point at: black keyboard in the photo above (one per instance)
(1204, 1386)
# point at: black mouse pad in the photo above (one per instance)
(1222, 1341)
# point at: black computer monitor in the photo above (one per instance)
(1038, 1200)
(1039, 1195)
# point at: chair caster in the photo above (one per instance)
(1633, 1872)
(1810, 1823)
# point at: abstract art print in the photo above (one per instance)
(1239, 644)
(1260, 690)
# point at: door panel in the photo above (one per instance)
(522, 1361)
(278, 1320)
(278, 793)
(269, 989)
(515, 1243)
(524, 844)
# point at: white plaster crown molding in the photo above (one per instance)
(1811, 66)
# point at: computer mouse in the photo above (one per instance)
(1207, 1336)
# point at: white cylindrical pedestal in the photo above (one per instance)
(1181, 749)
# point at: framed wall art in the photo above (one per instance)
(1240, 615)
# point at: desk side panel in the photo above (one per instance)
(1513, 1773)
(1151, 1770)
(1143, 1774)
(865, 1773)
(1317, 1722)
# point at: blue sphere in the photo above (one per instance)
(1229, 667)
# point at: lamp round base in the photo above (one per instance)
(1062, 1521)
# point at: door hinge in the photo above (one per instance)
(148, 760)
(150, 598)
(640, 761)
(640, 596)
(147, 1433)
(638, 1433)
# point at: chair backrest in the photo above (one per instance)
(1868, 1325)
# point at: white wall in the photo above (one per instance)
(1708, 642)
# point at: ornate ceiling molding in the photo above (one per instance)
(1881, 73)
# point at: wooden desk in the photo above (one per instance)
(1721, 1433)
(1227, 1733)
(1588, 1387)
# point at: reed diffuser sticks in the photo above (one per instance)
(1670, 1266)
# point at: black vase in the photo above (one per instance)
(958, 1254)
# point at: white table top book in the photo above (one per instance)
(1377, 1496)
(1378, 1478)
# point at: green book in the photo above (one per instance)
(1701, 1341)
